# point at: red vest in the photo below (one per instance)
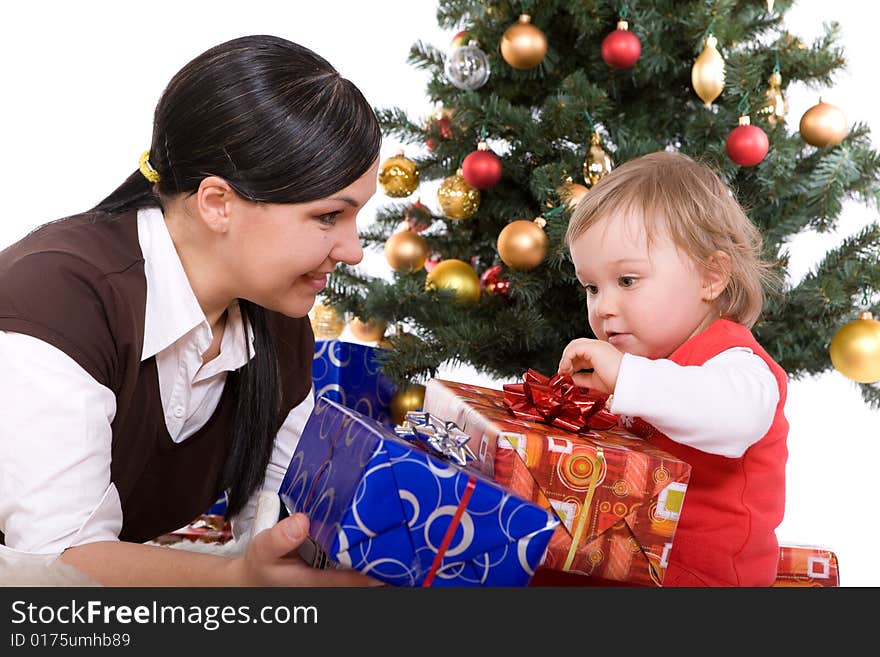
(727, 532)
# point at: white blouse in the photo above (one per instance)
(55, 435)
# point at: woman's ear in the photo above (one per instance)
(716, 275)
(214, 202)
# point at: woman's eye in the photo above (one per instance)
(329, 218)
(591, 289)
(627, 281)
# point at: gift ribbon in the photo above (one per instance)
(445, 438)
(558, 401)
(581, 522)
(450, 531)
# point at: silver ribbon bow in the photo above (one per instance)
(445, 438)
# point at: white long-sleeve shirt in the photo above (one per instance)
(55, 435)
(722, 407)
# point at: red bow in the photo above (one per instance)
(558, 401)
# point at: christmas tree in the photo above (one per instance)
(537, 101)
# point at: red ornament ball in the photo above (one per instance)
(621, 48)
(747, 145)
(418, 216)
(481, 168)
(440, 121)
(492, 282)
(432, 261)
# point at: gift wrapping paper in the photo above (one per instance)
(617, 497)
(386, 507)
(210, 527)
(350, 374)
(806, 565)
(207, 528)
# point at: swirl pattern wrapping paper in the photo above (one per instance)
(351, 374)
(387, 508)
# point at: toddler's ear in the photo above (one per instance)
(716, 276)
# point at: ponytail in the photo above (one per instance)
(256, 388)
(136, 192)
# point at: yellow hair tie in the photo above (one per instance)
(147, 169)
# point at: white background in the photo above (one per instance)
(80, 81)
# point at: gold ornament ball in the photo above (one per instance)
(407, 398)
(326, 322)
(522, 245)
(406, 251)
(457, 199)
(855, 349)
(372, 330)
(823, 125)
(523, 45)
(455, 275)
(571, 193)
(398, 176)
(707, 73)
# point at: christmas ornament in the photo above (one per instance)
(407, 398)
(467, 67)
(326, 322)
(455, 275)
(523, 45)
(481, 168)
(621, 48)
(433, 260)
(823, 125)
(747, 144)
(439, 122)
(398, 176)
(460, 39)
(522, 244)
(707, 73)
(457, 199)
(571, 193)
(372, 330)
(417, 216)
(855, 349)
(774, 107)
(597, 164)
(406, 251)
(492, 282)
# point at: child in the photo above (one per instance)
(673, 278)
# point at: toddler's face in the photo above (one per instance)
(645, 301)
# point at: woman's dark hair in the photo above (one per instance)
(280, 125)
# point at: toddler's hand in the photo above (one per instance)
(602, 357)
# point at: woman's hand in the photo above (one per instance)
(271, 560)
(596, 355)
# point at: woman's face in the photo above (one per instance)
(284, 252)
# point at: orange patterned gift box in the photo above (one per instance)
(804, 565)
(617, 496)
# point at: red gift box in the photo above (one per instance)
(207, 528)
(617, 496)
(805, 565)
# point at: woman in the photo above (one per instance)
(156, 348)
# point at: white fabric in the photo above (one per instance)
(721, 407)
(55, 489)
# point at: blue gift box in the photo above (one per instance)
(350, 374)
(386, 507)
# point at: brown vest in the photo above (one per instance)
(79, 285)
